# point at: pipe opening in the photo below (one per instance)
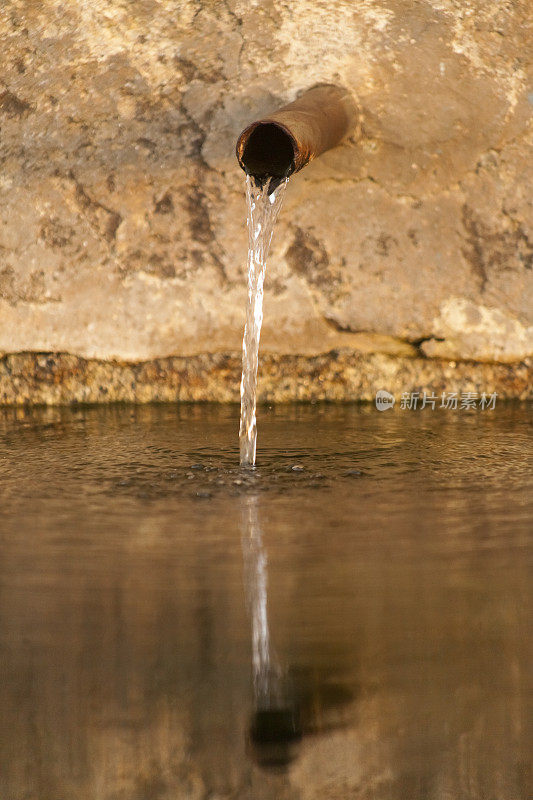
(268, 152)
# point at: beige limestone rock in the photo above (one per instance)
(122, 209)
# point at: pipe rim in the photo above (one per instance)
(264, 174)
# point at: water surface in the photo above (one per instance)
(349, 620)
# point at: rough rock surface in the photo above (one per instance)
(122, 208)
(59, 379)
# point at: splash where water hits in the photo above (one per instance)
(264, 202)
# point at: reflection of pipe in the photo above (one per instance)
(287, 140)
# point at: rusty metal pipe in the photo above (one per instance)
(285, 141)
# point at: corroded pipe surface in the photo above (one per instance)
(285, 141)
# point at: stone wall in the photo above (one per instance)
(122, 235)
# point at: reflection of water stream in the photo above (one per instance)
(266, 673)
(275, 724)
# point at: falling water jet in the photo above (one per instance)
(264, 204)
(269, 151)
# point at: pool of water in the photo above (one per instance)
(387, 555)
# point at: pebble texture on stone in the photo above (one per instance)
(59, 379)
(122, 213)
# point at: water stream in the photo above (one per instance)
(264, 203)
